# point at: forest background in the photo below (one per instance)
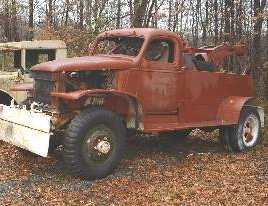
(200, 22)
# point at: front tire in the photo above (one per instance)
(94, 143)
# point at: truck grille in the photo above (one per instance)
(43, 86)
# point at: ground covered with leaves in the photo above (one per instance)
(155, 171)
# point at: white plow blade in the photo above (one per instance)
(26, 129)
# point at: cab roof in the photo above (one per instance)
(142, 32)
(43, 44)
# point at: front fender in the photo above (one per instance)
(230, 109)
(80, 94)
(124, 103)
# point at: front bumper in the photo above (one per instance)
(27, 129)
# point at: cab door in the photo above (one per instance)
(160, 83)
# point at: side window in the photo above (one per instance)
(160, 50)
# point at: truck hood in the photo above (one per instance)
(87, 63)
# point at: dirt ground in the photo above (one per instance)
(155, 171)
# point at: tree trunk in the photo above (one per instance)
(227, 29)
(232, 22)
(205, 23)
(67, 10)
(31, 23)
(150, 13)
(170, 2)
(181, 17)
(88, 12)
(7, 21)
(258, 8)
(176, 18)
(130, 4)
(139, 12)
(14, 23)
(216, 22)
(118, 16)
(50, 13)
(239, 20)
(81, 14)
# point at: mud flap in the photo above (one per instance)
(28, 130)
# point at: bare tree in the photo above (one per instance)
(67, 10)
(6, 5)
(88, 12)
(216, 21)
(256, 62)
(227, 26)
(118, 16)
(49, 12)
(31, 20)
(176, 17)
(81, 14)
(139, 12)
(14, 23)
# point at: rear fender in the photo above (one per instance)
(230, 109)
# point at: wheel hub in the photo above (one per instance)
(103, 147)
(99, 144)
(250, 130)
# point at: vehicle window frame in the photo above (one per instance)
(97, 43)
(51, 54)
(174, 50)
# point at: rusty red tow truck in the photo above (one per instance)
(142, 80)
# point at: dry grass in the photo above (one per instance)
(154, 172)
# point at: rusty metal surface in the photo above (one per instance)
(230, 108)
(218, 54)
(86, 64)
(85, 93)
(168, 96)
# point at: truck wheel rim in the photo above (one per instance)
(250, 131)
(98, 145)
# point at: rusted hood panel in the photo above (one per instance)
(86, 63)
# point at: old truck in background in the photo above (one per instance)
(16, 60)
(145, 80)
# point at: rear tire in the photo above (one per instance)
(94, 143)
(245, 135)
(224, 138)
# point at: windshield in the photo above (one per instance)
(129, 46)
